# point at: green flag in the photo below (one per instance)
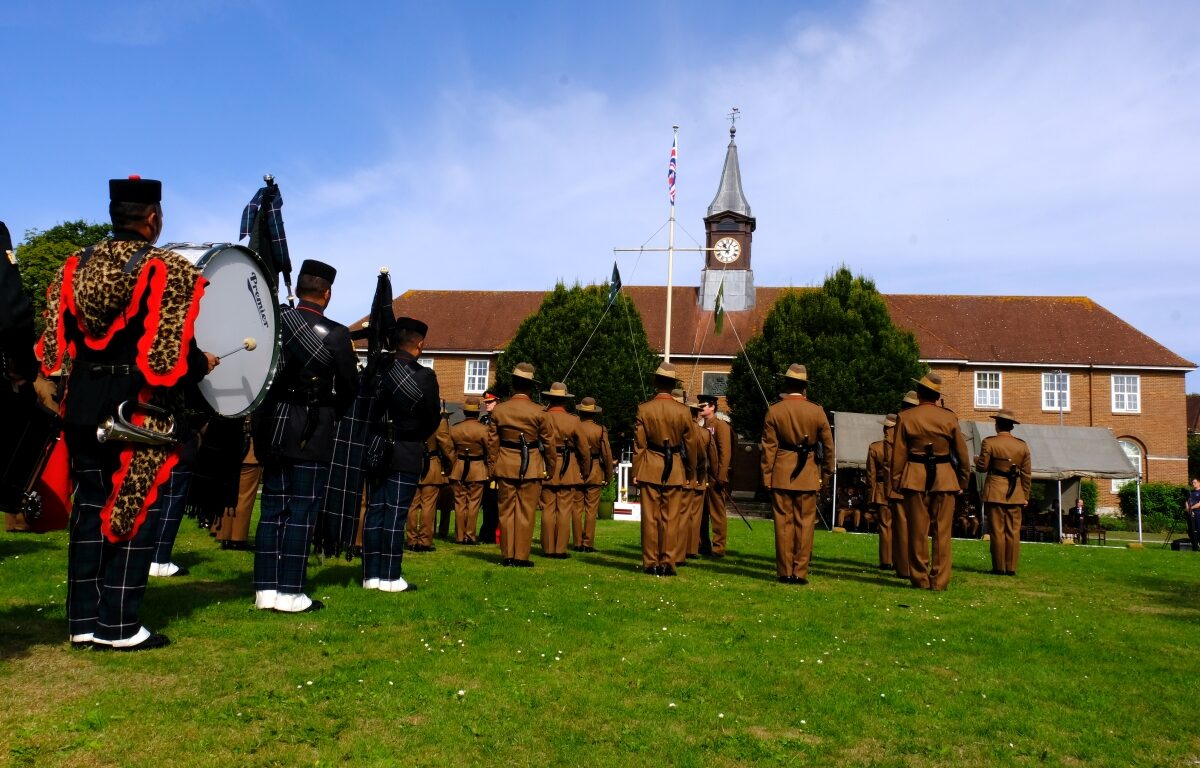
(719, 308)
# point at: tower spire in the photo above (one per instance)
(730, 196)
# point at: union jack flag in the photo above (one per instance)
(671, 171)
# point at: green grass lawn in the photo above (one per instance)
(1089, 657)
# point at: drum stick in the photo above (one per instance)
(248, 344)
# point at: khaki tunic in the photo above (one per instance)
(877, 473)
(571, 441)
(510, 419)
(794, 421)
(1001, 454)
(470, 439)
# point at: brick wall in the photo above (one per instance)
(1158, 427)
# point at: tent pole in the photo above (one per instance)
(833, 504)
(1060, 530)
(1139, 494)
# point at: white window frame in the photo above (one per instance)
(986, 391)
(1136, 460)
(426, 361)
(468, 376)
(1050, 393)
(1126, 395)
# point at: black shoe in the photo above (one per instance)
(650, 570)
(1010, 573)
(181, 572)
(667, 570)
(784, 579)
(150, 643)
(799, 580)
(508, 562)
(523, 563)
(589, 549)
(886, 567)
(717, 555)
(693, 556)
(998, 572)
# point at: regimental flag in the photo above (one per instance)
(671, 170)
(719, 308)
(614, 287)
(262, 222)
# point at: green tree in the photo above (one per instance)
(42, 253)
(615, 366)
(1193, 456)
(857, 359)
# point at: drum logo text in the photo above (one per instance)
(252, 286)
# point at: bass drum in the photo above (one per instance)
(238, 304)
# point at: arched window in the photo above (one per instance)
(1134, 452)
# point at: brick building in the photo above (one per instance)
(1045, 358)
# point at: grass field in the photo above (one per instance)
(1088, 657)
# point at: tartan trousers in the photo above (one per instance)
(105, 581)
(173, 495)
(383, 526)
(291, 495)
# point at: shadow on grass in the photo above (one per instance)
(1179, 594)
(15, 545)
(29, 625)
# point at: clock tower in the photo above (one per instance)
(729, 229)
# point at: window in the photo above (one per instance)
(477, 377)
(1056, 391)
(1125, 391)
(714, 383)
(1134, 452)
(426, 361)
(987, 389)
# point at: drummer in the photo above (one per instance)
(124, 310)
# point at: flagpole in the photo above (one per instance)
(670, 256)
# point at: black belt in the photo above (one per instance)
(113, 370)
(668, 452)
(804, 450)
(930, 460)
(467, 460)
(565, 452)
(1012, 474)
(523, 445)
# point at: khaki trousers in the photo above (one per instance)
(929, 515)
(468, 497)
(234, 525)
(661, 512)
(518, 500)
(718, 522)
(1004, 524)
(795, 514)
(899, 538)
(559, 503)
(883, 520)
(418, 532)
(583, 518)
(695, 513)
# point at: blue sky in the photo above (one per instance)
(1046, 148)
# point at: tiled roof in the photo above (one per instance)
(1193, 414)
(1051, 330)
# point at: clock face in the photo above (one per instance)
(727, 250)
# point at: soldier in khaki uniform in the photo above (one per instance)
(583, 524)
(930, 466)
(879, 490)
(797, 458)
(1006, 461)
(562, 491)
(664, 459)
(714, 515)
(438, 458)
(698, 489)
(899, 516)
(470, 472)
(521, 450)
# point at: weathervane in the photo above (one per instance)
(733, 117)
